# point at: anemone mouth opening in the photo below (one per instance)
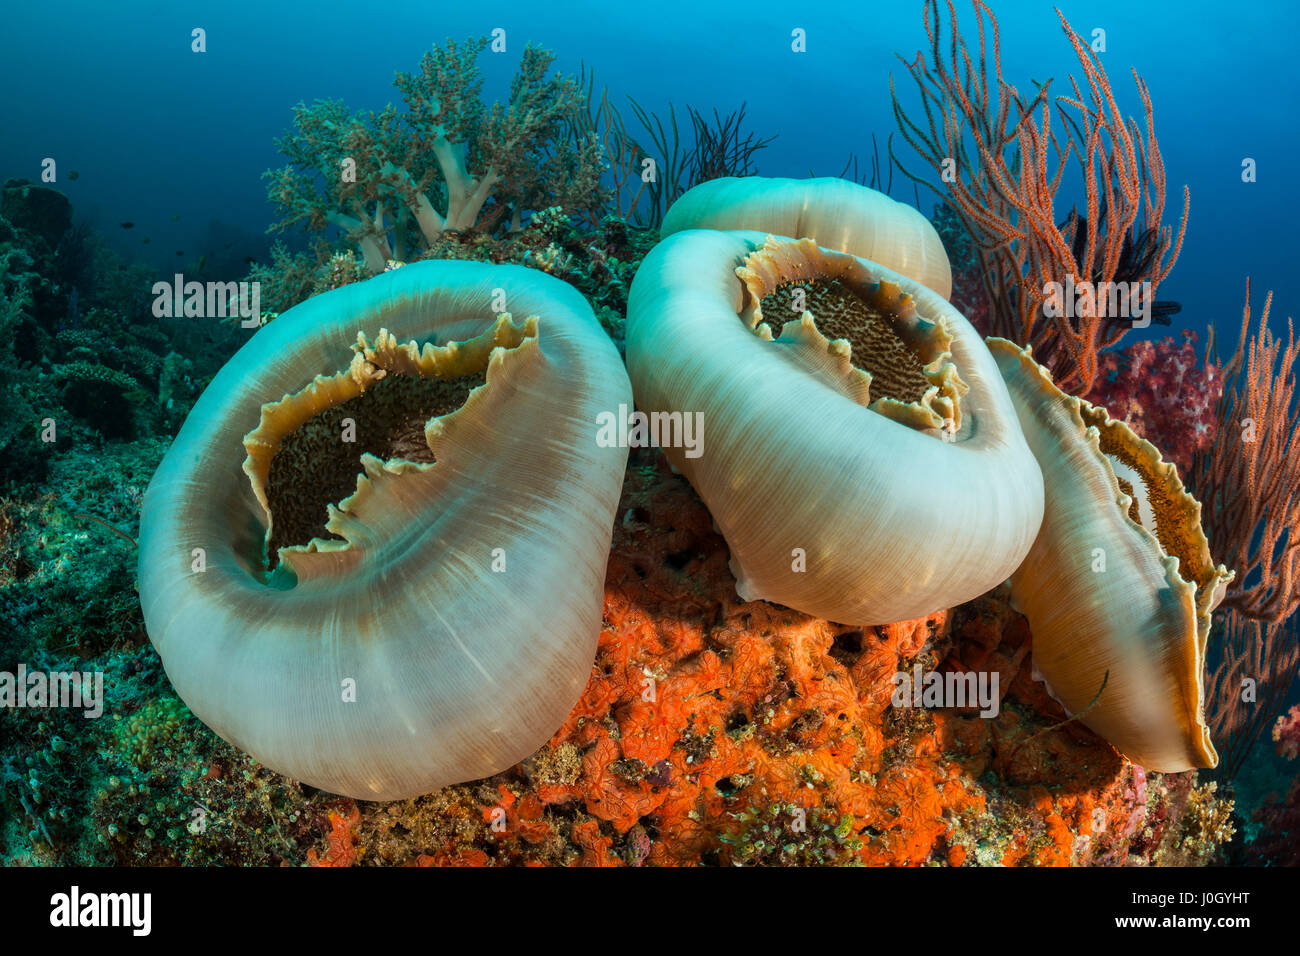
(306, 457)
(892, 360)
(861, 318)
(317, 464)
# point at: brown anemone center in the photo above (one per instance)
(316, 465)
(842, 312)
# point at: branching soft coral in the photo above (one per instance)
(396, 180)
(338, 162)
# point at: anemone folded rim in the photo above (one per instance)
(829, 505)
(837, 214)
(447, 624)
(1119, 586)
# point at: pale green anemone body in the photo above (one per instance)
(861, 456)
(838, 214)
(436, 620)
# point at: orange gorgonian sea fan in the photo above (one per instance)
(1003, 166)
(1249, 481)
(1249, 485)
(1266, 655)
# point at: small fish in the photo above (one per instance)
(74, 175)
(202, 259)
(145, 240)
(250, 261)
(176, 217)
(127, 225)
(228, 245)
(180, 252)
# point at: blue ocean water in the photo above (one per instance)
(175, 141)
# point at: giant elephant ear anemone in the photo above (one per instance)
(1119, 585)
(837, 214)
(374, 556)
(860, 452)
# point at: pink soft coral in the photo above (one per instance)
(1163, 394)
(1286, 733)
